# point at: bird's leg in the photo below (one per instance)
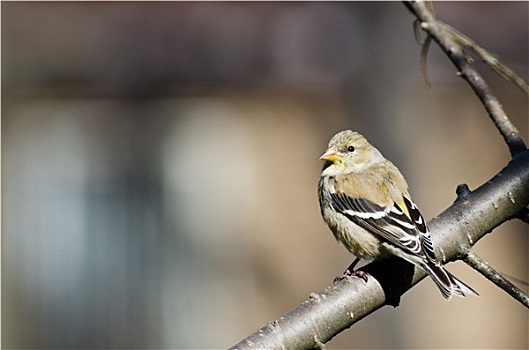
(351, 272)
(351, 267)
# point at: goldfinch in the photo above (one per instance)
(365, 202)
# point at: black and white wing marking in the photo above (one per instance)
(391, 223)
(424, 233)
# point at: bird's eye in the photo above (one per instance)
(350, 149)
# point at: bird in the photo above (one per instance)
(364, 200)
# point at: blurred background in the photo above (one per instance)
(160, 162)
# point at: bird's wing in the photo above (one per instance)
(409, 232)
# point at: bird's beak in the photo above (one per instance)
(331, 155)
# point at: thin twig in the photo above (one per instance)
(492, 61)
(450, 43)
(424, 60)
(515, 279)
(425, 45)
(480, 265)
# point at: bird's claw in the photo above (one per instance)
(363, 275)
(348, 273)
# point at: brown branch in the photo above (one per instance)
(450, 41)
(480, 265)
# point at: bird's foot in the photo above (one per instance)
(348, 273)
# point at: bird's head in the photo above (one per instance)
(349, 152)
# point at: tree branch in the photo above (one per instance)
(494, 276)
(450, 41)
(455, 231)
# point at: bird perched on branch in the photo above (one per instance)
(365, 202)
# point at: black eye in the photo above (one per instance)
(350, 149)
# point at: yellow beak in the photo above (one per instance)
(331, 155)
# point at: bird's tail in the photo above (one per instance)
(447, 283)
